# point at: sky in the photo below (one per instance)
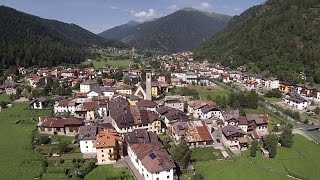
(99, 15)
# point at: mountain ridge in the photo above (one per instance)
(27, 40)
(169, 33)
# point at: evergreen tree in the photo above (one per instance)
(254, 148)
(181, 154)
(270, 144)
(286, 138)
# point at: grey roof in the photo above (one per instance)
(140, 136)
(230, 130)
(89, 82)
(88, 132)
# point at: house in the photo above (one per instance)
(87, 136)
(87, 86)
(191, 78)
(286, 87)
(109, 146)
(149, 156)
(197, 134)
(171, 115)
(147, 104)
(65, 106)
(271, 83)
(11, 90)
(124, 89)
(87, 111)
(39, 103)
(175, 103)
(296, 101)
(129, 118)
(36, 81)
(158, 88)
(59, 126)
(234, 138)
(203, 109)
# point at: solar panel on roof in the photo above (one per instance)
(152, 156)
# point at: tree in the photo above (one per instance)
(99, 81)
(181, 154)
(273, 93)
(63, 147)
(209, 97)
(286, 138)
(42, 139)
(3, 104)
(254, 148)
(317, 110)
(270, 144)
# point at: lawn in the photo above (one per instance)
(301, 161)
(18, 159)
(4, 97)
(108, 172)
(205, 154)
(113, 59)
(204, 91)
(273, 119)
(114, 63)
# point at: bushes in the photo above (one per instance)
(254, 148)
(43, 139)
(276, 93)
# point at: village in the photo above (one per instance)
(128, 117)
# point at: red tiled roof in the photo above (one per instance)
(58, 122)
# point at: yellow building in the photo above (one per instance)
(109, 146)
(154, 90)
(285, 87)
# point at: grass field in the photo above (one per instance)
(114, 63)
(18, 159)
(4, 97)
(205, 154)
(108, 172)
(204, 91)
(300, 161)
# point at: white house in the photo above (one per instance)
(149, 156)
(87, 136)
(296, 101)
(65, 106)
(87, 86)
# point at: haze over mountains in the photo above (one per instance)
(281, 37)
(179, 31)
(27, 40)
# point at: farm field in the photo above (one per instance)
(204, 91)
(114, 63)
(4, 97)
(301, 161)
(109, 173)
(19, 160)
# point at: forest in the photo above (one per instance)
(279, 38)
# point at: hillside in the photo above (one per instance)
(281, 37)
(179, 31)
(120, 32)
(27, 40)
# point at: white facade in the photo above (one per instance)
(64, 109)
(92, 94)
(297, 105)
(145, 173)
(272, 84)
(86, 146)
(84, 88)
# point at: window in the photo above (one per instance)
(102, 155)
(109, 150)
(86, 142)
(87, 147)
(101, 150)
(168, 177)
